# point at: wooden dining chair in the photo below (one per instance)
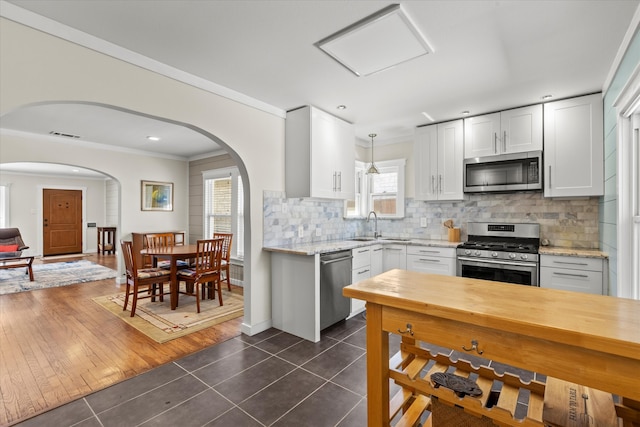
(163, 240)
(226, 256)
(205, 274)
(142, 282)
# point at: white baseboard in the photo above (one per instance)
(255, 329)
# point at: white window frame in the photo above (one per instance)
(628, 176)
(363, 183)
(5, 194)
(237, 217)
(360, 183)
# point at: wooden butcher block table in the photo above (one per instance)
(590, 340)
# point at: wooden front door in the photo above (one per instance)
(62, 221)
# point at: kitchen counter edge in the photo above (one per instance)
(341, 245)
(586, 253)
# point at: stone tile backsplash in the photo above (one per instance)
(571, 223)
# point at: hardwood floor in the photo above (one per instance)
(57, 345)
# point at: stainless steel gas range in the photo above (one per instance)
(502, 252)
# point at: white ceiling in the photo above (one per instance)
(488, 56)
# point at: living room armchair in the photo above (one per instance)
(11, 244)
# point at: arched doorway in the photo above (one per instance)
(125, 137)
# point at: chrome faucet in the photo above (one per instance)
(375, 227)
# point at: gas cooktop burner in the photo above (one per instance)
(500, 246)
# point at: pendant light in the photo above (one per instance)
(372, 169)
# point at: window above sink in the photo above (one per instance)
(382, 193)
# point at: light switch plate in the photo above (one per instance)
(318, 232)
(300, 231)
(423, 222)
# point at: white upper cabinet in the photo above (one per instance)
(438, 152)
(510, 131)
(319, 155)
(573, 147)
(481, 135)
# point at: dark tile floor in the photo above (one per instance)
(270, 379)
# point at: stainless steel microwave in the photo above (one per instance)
(502, 173)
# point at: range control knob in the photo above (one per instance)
(494, 254)
(523, 256)
(512, 256)
(477, 253)
(467, 251)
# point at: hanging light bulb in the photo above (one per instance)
(372, 169)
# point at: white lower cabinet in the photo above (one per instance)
(376, 259)
(360, 270)
(377, 263)
(394, 256)
(430, 259)
(573, 273)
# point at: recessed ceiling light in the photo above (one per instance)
(428, 116)
(153, 138)
(341, 107)
(465, 113)
(375, 43)
(75, 170)
(547, 97)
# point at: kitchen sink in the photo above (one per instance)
(395, 239)
(364, 239)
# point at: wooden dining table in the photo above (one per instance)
(173, 254)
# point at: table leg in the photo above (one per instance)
(30, 268)
(377, 368)
(174, 283)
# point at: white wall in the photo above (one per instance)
(37, 67)
(26, 206)
(111, 203)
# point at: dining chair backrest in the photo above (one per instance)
(209, 257)
(129, 259)
(226, 244)
(160, 240)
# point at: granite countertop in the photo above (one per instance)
(346, 244)
(340, 245)
(587, 253)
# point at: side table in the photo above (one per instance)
(106, 240)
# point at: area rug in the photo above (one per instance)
(160, 323)
(53, 275)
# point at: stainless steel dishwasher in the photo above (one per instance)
(335, 274)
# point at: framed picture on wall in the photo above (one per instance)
(157, 196)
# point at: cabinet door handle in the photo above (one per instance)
(474, 346)
(569, 274)
(334, 181)
(549, 177)
(428, 260)
(392, 249)
(495, 142)
(504, 142)
(363, 271)
(570, 263)
(440, 184)
(433, 184)
(424, 251)
(408, 330)
(339, 181)
(376, 250)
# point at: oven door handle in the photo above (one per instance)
(490, 261)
